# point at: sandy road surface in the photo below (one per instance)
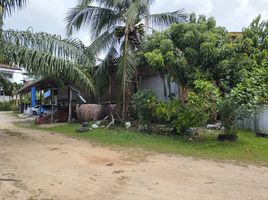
(37, 165)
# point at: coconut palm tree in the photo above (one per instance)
(44, 54)
(118, 27)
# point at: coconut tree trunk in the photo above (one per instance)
(124, 78)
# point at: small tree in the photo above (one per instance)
(145, 102)
(245, 98)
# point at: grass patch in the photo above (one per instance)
(248, 148)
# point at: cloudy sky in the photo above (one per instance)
(49, 15)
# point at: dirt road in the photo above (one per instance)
(37, 165)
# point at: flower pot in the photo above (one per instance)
(261, 134)
(227, 137)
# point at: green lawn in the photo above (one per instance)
(248, 148)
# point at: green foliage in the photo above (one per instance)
(14, 108)
(186, 48)
(245, 98)
(245, 53)
(7, 106)
(201, 106)
(145, 102)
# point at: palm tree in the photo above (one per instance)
(118, 27)
(47, 55)
(7, 7)
(44, 54)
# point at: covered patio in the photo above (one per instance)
(57, 93)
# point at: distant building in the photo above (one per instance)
(234, 35)
(14, 75)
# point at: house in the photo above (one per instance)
(162, 89)
(13, 74)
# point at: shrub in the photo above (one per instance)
(8, 106)
(145, 102)
(244, 99)
(14, 108)
(200, 107)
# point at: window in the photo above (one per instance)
(7, 75)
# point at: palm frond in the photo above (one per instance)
(44, 64)
(103, 42)
(126, 66)
(99, 19)
(165, 19)
(72, 50)
(137, 9)
(10, 6)
(106, 68)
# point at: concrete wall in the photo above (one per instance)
(5, 98)
(156, 85)
(258, 122)
(17, 75)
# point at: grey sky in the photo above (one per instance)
(48, 15)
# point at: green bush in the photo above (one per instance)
(8, 106)
(14, 108)
(145, 102)
(244, 99)
(200, 107)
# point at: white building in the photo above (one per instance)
(156, 85)
(14, 75)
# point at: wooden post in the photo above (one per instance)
(52, 101)
(110, 88)
(70, 104)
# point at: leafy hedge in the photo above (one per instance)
(8, 106)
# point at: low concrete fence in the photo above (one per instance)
(259, 122)
(5, 98)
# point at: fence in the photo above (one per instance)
(5, 98)
(259, 122)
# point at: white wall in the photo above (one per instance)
(155, 83)
(5, 98)
(259, 122)
(17, 75)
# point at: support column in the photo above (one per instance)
(33, 97)
(52, 102)
(70, 104)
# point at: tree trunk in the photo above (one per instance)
(183, 93)
(70, 104)
(110, 88)
(124, 78)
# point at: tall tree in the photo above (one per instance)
(118, 27)
(186, 49)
